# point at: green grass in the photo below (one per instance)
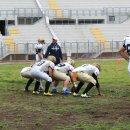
(20, 110)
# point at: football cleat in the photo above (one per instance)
(26, 89)
(47, 94)
(66, 91)
(54, 90)
(40, 89)
(76, 94)
(35, 92)
(85, 95)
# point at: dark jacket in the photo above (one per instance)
(55, 50)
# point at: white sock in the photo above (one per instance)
(64, 89)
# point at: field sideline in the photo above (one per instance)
(21, 110)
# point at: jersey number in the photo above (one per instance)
(40, 63)
(61, 65)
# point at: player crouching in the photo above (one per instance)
(41, 71)
(86, 74)
(63, 72)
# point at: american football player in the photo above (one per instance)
(41, 71)
(125, 50)
(86, 73)
(62, 72)
(39, 56)
(39, 49)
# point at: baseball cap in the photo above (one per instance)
(55, 38)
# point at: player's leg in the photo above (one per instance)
(47, 85)
(40, 87)
(56, 76)
(48, 79)
(73, 76)
(54, 86)
(80, 85)
(36, 74)
(26, 72)
(37, 84)
(92, 82)
(60, 76)
(26, 88)
(80, 76)
(89, 86)
(65, 89)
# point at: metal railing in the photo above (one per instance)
(80, 49)
(69, 13)
(28, 12)
(21, 12)
(66, 13)
(121, 13)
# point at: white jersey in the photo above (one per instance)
(38, 46)
(64, 67)
(87, 68)
(127, 44)
(43, 65)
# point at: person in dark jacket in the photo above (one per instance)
(55, 50)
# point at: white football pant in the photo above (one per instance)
(39, 75)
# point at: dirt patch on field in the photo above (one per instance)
(112, 112)
(46, 119)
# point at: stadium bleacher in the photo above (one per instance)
(8, 5)
(92, 21)
(84, 4)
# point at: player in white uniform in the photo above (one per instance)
(39, 49)
(62, 72)
(125, 50)
(41, 71)
(86, 73)
(39, 57)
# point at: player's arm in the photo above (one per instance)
(71, 77)
(50, 72)
(123, 53)
(97, 84)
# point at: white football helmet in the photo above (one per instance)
(71, 62)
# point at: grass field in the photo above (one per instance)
(21, 110)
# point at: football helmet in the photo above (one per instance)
(41, 40)
(98, 66)
(71, 62)
(51, 58)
